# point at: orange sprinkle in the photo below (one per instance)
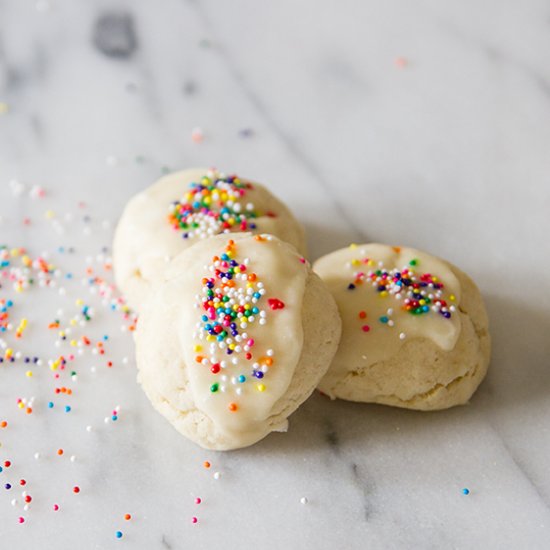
(199, 358)
(233, 407)
(362, 315)
(266, 361)
(3, 424)
(127, 517)
(206, 464)
(252, 277)
(59, 452)
(396, 249)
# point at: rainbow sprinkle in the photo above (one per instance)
(420, 293)
(213, 206)
(231, 301)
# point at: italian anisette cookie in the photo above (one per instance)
(414, 328)
(184, 207)
(234, 338)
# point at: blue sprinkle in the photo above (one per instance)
(50, 405)
(465, 491)
(67, 408)
(118, 534)
(384, 319)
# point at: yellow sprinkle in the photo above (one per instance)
(210, 338)
(14, 252)
(383, 294)
(355, 262)
(73, 343)
(370, 262)
(452, 297)
(28, 374)
(50, 214)
(79, 302)
(422, 302)
(72, 322)
(197, 348)
(353, 246)
(21, 405)
(261, 387)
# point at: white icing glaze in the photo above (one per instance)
(279, 269)
(145, 239)
(359, 349)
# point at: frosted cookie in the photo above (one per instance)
(414, 328)
(237, 335)
(185, 207)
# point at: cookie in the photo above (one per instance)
(415, 328)
(184, 207)
(234, 338)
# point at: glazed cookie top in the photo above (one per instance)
(242, 340)
(185, 207)
(386, 295)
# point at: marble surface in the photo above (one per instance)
(426, 124)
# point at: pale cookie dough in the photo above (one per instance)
(184, 207)
(415, 329)
(227, 356)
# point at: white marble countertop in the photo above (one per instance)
(425, 124)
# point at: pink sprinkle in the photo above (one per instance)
(55, 507)
(401, 62)
(194, 519)
(21, 520)
(198, 500)
(250, 342)
(365, 328)
(197, 135)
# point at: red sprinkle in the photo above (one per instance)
(365, 328)
(275, 303)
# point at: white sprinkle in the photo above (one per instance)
(402, 336)
(303, 500)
